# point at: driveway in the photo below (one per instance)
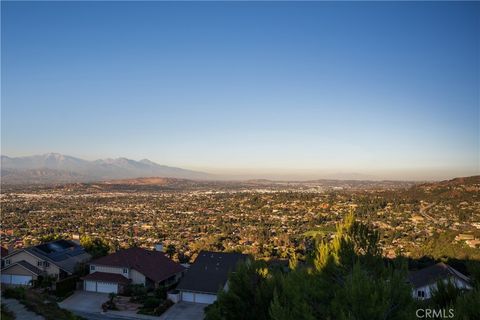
(184, 311)
(84, 301)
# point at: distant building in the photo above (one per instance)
(131, 266)
(425, 280)
(207, 275)
(58, 259)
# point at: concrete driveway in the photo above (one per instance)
(84, 301)
(184, 311)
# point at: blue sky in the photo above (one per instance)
(265, 89)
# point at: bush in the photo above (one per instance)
(45, 281)
(163, 307)
(14, 293)
(151, 302)
(109, 305)
(161, 293)
(6, 314)
(138, 292)
(156, 311)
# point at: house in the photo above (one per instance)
(131, 266)
(425, 280)
(207, 275)
(58, 259)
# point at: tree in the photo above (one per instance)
(96, 247)
(170, 251)
(345, 278)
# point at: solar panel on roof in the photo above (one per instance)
(76, 252)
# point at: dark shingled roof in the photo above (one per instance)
(209, 272)
(106, 277)
(434, 273)
(65, 254)
(152, 264)
(26, 265)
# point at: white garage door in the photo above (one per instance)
(6, 278)
(188, 296)
(16, 279)
(198, 297)
(22, 280)
(107, 287)
(90, 286)
(205, 298)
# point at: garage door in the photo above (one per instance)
(21, 280)
(90, 286)
(198, 297)
(16, 279)
(205, 298)
(98, 286)
(6, 278)
(188, 296)
(107, 287)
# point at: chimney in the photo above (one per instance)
(159, 247)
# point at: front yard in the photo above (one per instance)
(40, 303)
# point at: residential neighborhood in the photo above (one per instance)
(120, 282)
(118, 274)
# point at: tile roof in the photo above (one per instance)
(152, 264)
(434, 273)
(106, 277)
(209, 272)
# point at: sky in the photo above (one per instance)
(308, 90)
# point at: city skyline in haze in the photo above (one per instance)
(247, 89)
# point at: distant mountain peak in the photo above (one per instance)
(63, 167)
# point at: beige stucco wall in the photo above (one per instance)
(107, 269)
(52, 270)
(137, 277)
(19, 270)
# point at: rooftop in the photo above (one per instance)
(209, 272)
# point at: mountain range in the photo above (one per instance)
(59, 168)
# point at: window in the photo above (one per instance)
(421, 294)
(125, 270)
(46, 264)
(39, 263)
(92, 268)
(7, 262)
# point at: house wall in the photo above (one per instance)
(107, 269)
(137, 277)
(459, 283)
(51, 270)
(18, 270)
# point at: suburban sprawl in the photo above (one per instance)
(150, 243)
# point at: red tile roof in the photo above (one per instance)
(152, 264)
(106, 277)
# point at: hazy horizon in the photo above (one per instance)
(247, 89)
(304, 174)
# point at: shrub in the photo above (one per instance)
(14, 293)
(163, 307)
(161, 293)
(138, 292)
(151, 303)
